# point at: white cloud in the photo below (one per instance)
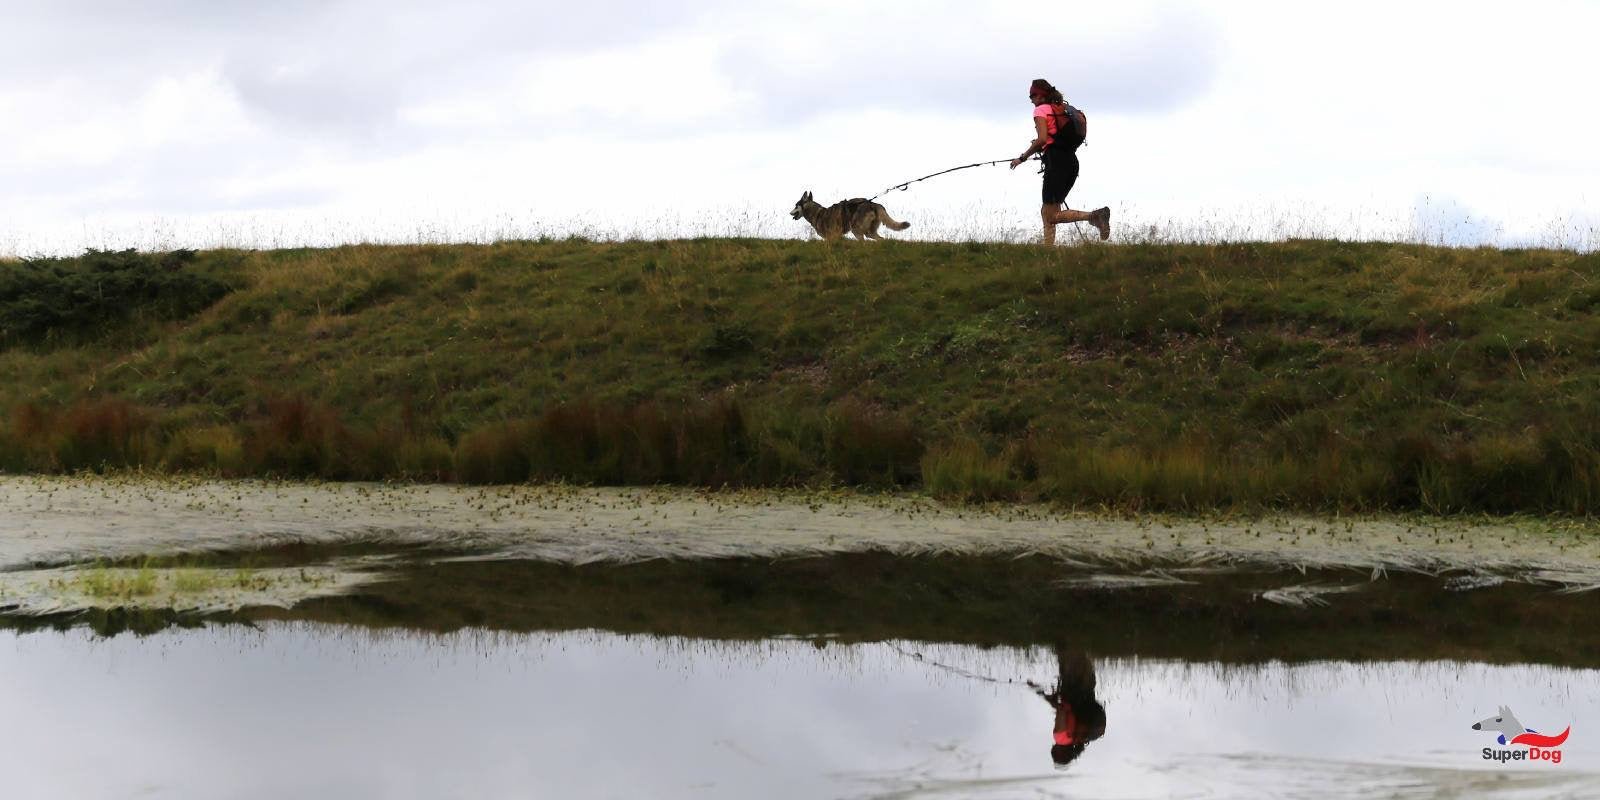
(972, 59)
(1220, 115)
(664, 87)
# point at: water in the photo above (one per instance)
(864, 675)
(293, 709)
(372, 641)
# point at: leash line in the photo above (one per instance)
(916, 656)
(907, 185)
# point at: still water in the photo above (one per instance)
(279, 709)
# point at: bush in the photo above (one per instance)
(44, 299)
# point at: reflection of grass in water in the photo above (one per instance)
(999, 599)
(985, 600)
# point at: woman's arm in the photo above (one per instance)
(1052, 698)
(1041, 133)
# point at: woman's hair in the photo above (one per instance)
(1051, 94)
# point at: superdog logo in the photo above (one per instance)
(1540, 747)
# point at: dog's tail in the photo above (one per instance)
(883, 216)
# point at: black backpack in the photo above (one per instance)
(1072, 127)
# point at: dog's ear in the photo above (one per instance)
(806, 196)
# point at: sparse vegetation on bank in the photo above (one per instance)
(1310, 375)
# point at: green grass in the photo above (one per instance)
(1316, 375)
(173, 578)
(106, 583)
(195, 580)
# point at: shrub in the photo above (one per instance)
(48, 298)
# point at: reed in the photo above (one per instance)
(962, 471)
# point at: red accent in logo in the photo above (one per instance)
(1537, 740)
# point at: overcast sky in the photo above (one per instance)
(196, 122)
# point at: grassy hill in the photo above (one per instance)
(1306, 374)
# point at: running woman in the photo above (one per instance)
(1057, 139)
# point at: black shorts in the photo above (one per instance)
(1060, 173)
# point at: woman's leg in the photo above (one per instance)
(1054, 214)
(1068, 215)
(1047, 213)
(1060, 174)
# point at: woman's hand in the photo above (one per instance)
(1015, 162)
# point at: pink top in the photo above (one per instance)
(1049, 113)
(1066, 721)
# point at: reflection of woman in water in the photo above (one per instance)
(1080, 719)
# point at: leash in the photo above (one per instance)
(957, 670)
(907, 185)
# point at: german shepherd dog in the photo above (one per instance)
(859, 216)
